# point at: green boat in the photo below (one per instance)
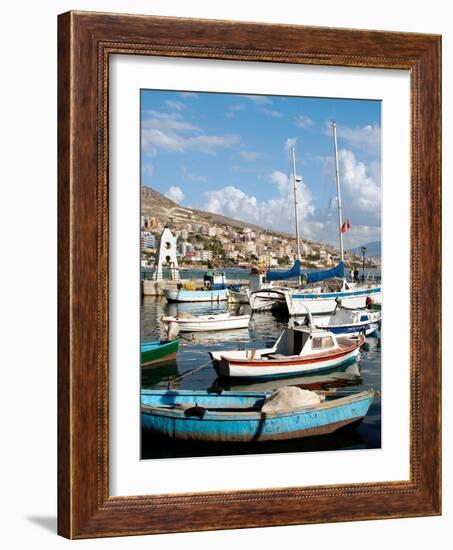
(158, 352)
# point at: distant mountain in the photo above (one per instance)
(373, 249)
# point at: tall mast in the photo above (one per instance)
(337, 176)
(293, 154)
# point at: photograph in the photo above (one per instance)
(260, 270)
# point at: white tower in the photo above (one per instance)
(166, 256)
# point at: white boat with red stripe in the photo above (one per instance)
(299, 350)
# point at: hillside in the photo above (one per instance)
(158, 206)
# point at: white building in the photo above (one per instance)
(148, 240)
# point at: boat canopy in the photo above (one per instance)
(317, 276)
(309, 276)
(282, 275)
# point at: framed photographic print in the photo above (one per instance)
(249, 275)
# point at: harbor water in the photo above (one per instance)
(263, 330)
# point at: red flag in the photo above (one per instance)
(345, 226)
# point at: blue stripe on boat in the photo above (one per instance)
(336, 294)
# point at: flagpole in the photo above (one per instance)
(337, 176)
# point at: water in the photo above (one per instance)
(263, 330)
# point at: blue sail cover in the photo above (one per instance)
(316, 276)
(310, 277)
(282, 275)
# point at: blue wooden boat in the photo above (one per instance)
(238, 416)
(215, 289)
(158, 352)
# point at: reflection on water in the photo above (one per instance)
(263, 330)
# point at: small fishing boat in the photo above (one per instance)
(158, 352)
(298, 350)
(238, 294)
(187, 322)
(287, 413)
(215, 289)
(350, 322)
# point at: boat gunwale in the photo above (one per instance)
(195, 319)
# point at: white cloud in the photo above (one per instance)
(189, 175)
(189, 94)
(367, 138)
(237, 107)
(259, 99)
(363, 190)
(303, 121)
(233, 109)
(270, 112)
(281, 180)
(274, 213)
(175, 194)
(147, 169)
(289, 143)
(249, 155)
(178, 105)
(171, 132)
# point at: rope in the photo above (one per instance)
(191, 371)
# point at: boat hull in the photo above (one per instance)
(266, 370)
(205, 325)
(159, 353)
(352, 331)
(323, 303)
(195, 295)
(266, 300)
(218, 426)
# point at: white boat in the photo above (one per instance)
(298, 350)
(203, 323)
(268, 299)
(238, 296)
(182, 295)
(350, 323)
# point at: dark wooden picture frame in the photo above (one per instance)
(85, 41)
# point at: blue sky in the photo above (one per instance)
(229, 153)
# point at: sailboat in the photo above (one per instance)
(296, 301)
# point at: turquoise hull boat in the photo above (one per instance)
(237, 417)
(158, 352)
